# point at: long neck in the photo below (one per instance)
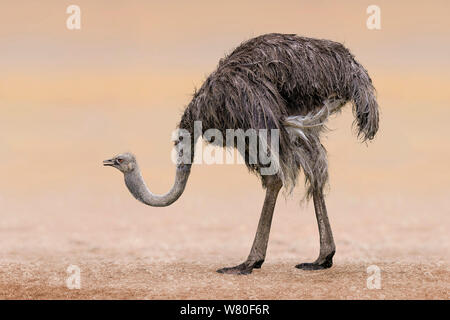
(139, 190)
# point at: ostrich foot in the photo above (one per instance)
(243, 268)
(319, 264)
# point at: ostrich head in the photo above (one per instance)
(125, 162)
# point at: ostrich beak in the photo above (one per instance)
(109, 162)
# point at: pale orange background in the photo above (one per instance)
(69, 99)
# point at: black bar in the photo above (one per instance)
(223, 309)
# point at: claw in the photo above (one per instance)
(327, 263)
(240, 269)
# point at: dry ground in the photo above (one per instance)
(173, 253)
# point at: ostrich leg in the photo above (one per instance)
(327, 246)
(258, 251)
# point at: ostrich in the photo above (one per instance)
(274, 81)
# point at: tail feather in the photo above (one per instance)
(365, 106)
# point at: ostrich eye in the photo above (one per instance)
(120, 160)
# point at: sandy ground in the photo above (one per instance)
(172, 253)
